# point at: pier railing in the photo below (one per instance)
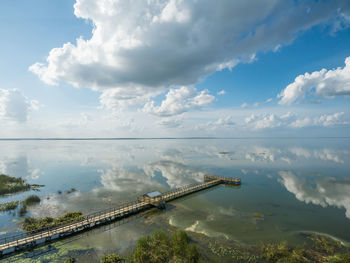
(106, 215)
(16, 237)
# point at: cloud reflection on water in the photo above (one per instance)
(176, 174)
(328, 191)
(293, 154)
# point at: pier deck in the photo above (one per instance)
(24, 240)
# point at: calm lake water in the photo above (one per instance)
(289, 187)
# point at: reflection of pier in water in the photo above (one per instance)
(147, 201)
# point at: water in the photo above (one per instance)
(289, 186)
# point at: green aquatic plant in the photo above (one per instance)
(9, 206)
(281, 253)
(31, 200)
(33, 224)
(237, 254)
(325, 244)
(70, 260)
(112, 258)
(324, 250)
(258, 215)
(71, 191)
(12, 185)
(274, 252)
(338, 258)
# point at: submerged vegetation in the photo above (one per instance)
(236, 253)
(112, 258)
(325, 244)
(280, 252)
(322, 249)
(33, 224)
(12, 185)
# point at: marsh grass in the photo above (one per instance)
(323, 250)
(34, 224)
(9, 206)
(160, 248)
(112, 258)
(70, 260)
(325, 244)
(235, 253)
(12, 185)
(31, 200)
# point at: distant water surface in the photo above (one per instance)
(289, 186)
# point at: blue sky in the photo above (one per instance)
(94, 68)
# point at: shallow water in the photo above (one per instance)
(289, 186)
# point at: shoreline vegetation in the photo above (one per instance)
(177, 246)
(13, 185)
(159, 247)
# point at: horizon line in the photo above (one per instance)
(164, 138)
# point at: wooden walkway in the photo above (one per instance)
(25, 240)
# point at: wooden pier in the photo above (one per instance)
(10, 244)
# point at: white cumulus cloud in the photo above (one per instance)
(263, 121)
(117, 99)
(330, 120)
(323, 83)
(14, 106)
(180, 100)
(146, 46)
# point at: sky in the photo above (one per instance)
(174, 68)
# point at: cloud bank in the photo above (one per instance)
(291, 120)
(141, 48)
